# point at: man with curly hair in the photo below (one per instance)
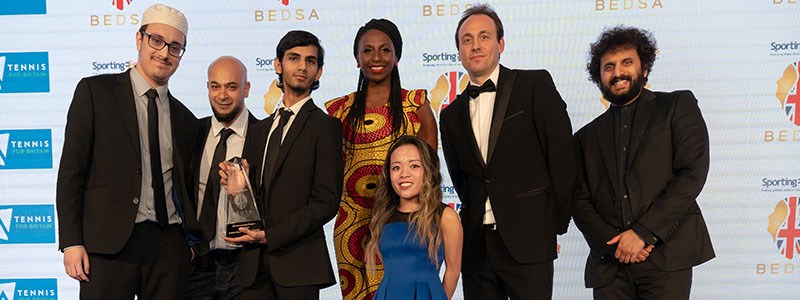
(641, 165)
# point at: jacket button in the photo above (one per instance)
(487, 181)
(135, 200)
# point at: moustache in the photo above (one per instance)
(619, 78)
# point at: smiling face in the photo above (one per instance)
(376, 56)
(157, 66)
(621, 75)
(227, 89)
(478, 47)
(406, 172)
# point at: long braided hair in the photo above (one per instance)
(354, 120)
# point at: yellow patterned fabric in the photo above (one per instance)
(362, 168)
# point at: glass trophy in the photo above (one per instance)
(240, 201)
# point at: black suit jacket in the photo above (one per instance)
(303, 195)
(194, 167)
(530, 174)
(667, 168)
(99, 178)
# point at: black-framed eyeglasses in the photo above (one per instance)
(158, 43)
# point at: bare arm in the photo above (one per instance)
(427, 130)
(453, 236)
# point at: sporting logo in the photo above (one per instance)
(27, 224)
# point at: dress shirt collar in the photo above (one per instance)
(495, 74)
(141, 86)
(238, 125)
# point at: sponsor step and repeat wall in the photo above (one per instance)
(740, 58)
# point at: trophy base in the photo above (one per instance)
(232, 230)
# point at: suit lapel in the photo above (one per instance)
(605, 137)
(291, 135)
(502, 98)
(123, 92)
(261, 148)
(644, 112)
(466, 124)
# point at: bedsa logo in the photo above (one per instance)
(286, 13)
(27, 224)
(440, 59)
(784, 227)
(113, 15)
(615, 5)
(29, 289)
(448, 86)
(24, 72)
(26, 149)
(789, 98)
(106, 67)
(785, 1)
(444, 10)
(23, 7)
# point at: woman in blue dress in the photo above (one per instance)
(412, 231)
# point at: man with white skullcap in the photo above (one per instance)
(124, 210)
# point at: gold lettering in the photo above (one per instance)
(769, 136)
(426, 10)
(273, 15)
(658, 4)
(599, 5)
(313, 14)
(94, 20)
(612, 5)
(299, 15)
(761, 269)
(107, 20)
(259, 15)
(773, 268)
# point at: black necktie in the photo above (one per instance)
(474, 91)
(159, 196)
(274, 146)
(208, 215)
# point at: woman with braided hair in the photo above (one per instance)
(373, 117)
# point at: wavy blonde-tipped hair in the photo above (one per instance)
(425, 219)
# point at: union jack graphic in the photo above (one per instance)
(448, 85)
(788, 237)
(120, 4)
(792, 106)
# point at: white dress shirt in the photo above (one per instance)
(480, 114)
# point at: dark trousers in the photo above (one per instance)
(490, 272)
(645, 281)
(264, 288)
(212, 276)
(153, 264)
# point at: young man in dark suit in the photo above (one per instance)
(641, 165)
(296, 167)
(123, 201)
(508, 149)
(223, 137)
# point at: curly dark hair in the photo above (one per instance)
(621, 37)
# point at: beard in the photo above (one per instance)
(229, 117)
(633, 92)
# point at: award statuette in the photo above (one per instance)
(241, 203)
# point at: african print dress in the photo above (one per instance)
(362, 168)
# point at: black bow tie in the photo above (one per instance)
(474, 91)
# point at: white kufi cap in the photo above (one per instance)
(160, 13)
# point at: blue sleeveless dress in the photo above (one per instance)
(409, 272)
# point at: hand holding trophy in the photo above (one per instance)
(241, 207)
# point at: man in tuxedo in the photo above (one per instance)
(296, 166)
(122, 193)
(224, 134)
(641, 165)
(508, 149)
